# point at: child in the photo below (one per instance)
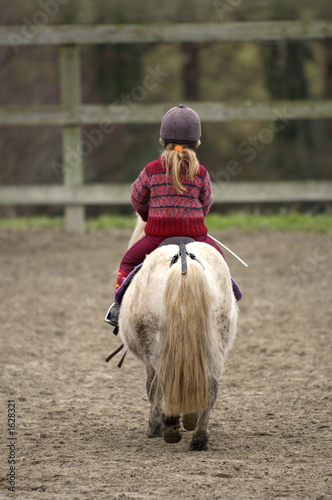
(172, 194)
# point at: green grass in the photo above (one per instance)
(111, 221)
(17, 223)
(291, 222)
(244, 222)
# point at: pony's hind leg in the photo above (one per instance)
(160, 424)
(155, 420)
(189, 421)
(200, 439)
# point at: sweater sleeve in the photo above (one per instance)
(140, 195)
(205, 195)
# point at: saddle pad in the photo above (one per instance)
(123, 287)
(236, 290)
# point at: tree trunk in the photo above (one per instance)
(285, 78)
(190, 55)
(190, 71)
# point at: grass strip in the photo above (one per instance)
(321, 223)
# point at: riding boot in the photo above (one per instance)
(112, 316)
(120, 278)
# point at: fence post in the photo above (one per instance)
(70, 84)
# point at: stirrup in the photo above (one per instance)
(112, 315)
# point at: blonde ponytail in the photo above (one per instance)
(173, 157)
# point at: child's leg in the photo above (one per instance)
(135, 255)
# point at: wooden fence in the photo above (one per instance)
(71, 114)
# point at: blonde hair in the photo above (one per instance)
(174, 159)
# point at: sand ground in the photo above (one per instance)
(81, 423)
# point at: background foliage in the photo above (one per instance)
(227, 72)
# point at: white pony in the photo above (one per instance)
(181, 326)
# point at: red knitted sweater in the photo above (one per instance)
(168, 213)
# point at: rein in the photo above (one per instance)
(114, 353)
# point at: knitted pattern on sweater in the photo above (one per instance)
(167, 212)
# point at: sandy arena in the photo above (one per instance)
(81, 424)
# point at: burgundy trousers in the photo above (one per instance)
(137, 253)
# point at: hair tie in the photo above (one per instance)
(179, 149)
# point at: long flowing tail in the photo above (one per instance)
(138, 232)
(183, 366)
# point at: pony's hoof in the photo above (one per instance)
(199, 442)
(189, 421)
(172, 435)
(154, 431)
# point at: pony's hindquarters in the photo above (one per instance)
(183, 371)
(181, 327)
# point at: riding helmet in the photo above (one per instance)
(181, 125)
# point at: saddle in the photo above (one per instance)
(181, 241)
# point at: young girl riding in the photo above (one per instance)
(172, 194)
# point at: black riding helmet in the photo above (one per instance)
(181, 125)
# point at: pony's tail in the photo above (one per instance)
(138, 231)
(183, 367)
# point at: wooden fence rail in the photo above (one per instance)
(17, 36)
(71, 114)
(105, 115)
(119, 194)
